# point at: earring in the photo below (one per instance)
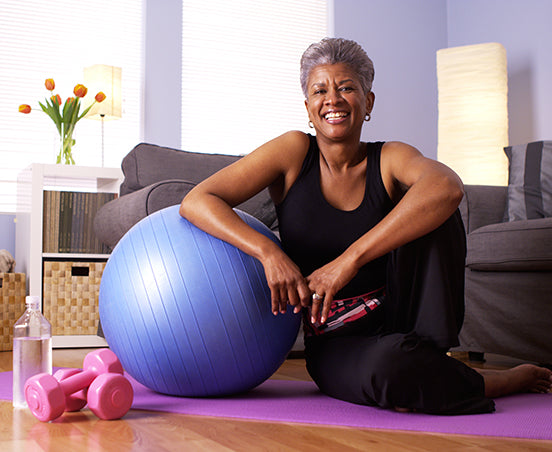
(367, 117)
(311, 125)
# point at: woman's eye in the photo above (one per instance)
(320, 91)
(346, 88)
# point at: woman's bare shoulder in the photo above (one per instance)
(290, 143)
(284, 155)
(398, 147)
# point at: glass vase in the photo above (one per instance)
(65, 155)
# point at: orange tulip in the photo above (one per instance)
(69, 100)
(100, 97)
(50, 84)
(80, 90)
(25, 109)
(56, 99)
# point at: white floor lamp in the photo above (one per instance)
(473, 112)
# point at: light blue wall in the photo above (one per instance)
(163, 75)
(523, 28)
(401, 37)
(7, 233)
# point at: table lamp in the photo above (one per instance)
(107, 79)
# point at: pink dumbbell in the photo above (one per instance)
(111, 395)
(76, 401)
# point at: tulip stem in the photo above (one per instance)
(102, 116)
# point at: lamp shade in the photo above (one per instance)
(107, 79)
(473, 112)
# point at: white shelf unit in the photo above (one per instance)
(31, 183)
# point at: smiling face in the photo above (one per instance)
(336, 102)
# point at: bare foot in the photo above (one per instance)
(523, 378)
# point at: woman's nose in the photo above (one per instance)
(332, 96)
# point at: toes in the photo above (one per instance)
(540, 389)
(542, 384)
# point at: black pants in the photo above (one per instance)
(399, 358)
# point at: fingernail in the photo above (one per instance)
(313, 320)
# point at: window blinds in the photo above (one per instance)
(58, 40)
(240, 70)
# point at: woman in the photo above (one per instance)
(373, 249)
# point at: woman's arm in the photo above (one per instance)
(426, 194)
(210, 204)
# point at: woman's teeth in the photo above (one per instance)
(335, 115)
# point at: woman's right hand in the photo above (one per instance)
(209, 206)
(287, 284)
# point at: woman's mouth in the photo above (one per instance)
(335, 117)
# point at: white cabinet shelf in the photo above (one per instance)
(79, 256)
(31, 184)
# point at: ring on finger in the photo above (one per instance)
(317, 297)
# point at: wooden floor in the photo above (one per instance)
(154, 431)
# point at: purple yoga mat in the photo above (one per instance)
(520, 416)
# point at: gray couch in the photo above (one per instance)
(508, 268)
(157, 177)
(508, 279)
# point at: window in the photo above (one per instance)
(240, 70)
(58, 40)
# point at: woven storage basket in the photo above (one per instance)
(71, 291)
(12, 296)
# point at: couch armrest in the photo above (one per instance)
(482, 205)
(116, 217)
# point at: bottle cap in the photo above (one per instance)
(32, 301)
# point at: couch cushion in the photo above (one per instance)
(147, 164)
(514, 246)
(529, 181)
(115, 218)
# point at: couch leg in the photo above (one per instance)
(476, 357)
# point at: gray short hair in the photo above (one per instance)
(333, 51)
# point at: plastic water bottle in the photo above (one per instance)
(32, 348)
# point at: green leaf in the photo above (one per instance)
(55, 110)
(67, 109)
(75, 118)
(53, 113)
(86, 111)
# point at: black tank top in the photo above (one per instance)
(313, 232)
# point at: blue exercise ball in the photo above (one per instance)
(189, 314)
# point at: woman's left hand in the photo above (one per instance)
(326, 282)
